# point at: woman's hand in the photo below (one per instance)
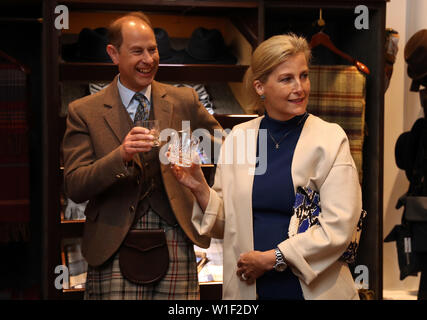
(191, 177)
(194, 179)
(254, 264)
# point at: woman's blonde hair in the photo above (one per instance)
(267, 56)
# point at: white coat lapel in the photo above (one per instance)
(302, 160)
(240, 177)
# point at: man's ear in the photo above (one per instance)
(113, 53)
(259, 88)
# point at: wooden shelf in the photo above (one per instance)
(83, 71)
(70, 222)
(71, 228)
(327, 4)
(158, 5)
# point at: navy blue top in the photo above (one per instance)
(272, 200)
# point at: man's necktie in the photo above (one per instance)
(142, 111)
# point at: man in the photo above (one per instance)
(113, 164)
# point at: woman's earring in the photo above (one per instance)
(262, 97)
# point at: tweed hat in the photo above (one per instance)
(208, 46)
(416, 57)
(167, 53)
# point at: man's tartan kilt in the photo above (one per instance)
(180, 282)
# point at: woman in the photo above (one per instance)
(252, 212)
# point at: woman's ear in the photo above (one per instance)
(113, 53)
(259, 88)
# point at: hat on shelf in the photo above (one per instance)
(90, 47)
(167, 54)
(207, 46)
(416, 57)
(407, 147)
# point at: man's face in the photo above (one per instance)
(137, 57)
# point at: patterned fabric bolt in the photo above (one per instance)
(180, 282)
(338, 95)
(202, 93)
(142, 112)
(14, 155)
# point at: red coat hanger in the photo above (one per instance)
(21, 66)
(323, 39)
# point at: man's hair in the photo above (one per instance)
(115, 28)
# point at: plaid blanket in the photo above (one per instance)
(14, 155)
(338, 95)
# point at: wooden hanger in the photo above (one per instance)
(323, 39)
(22, 67)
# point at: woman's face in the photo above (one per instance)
(287, 88)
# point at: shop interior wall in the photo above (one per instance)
(401, 109)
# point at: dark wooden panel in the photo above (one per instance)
(81, 71)
(161, 5)
(72, 229)
(51, 179)
(210, 291)
(228, 121)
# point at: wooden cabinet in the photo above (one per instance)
(244, 24)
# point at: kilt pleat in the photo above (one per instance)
(106, 282)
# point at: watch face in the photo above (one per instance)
(280, 267)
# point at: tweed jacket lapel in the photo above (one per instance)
(117, 116)
(163, 109)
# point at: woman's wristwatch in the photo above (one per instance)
(280, 265)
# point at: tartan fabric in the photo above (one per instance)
(179, 283)
(13, 95)
(13, 115)
(338, 95)
(142, 112)
(14, 155)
